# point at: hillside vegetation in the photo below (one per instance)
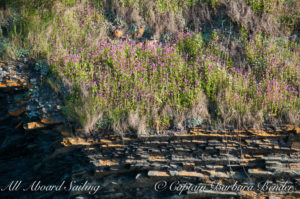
(136, 65)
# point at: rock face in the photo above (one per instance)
(27, 142)
(132, 167)
(35, 145)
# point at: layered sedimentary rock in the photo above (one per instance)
(133, 167)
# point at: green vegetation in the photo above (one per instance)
(123, 85)
(287, 11)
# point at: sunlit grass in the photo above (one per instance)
(116, 80)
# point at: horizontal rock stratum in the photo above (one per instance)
(198, 157)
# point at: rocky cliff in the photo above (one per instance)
(37, 145)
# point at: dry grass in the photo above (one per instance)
(241, 13)
(238, 118)
(6, 15)
(291, 117)
(147, 14)
(138, 123)
(197, 110)
(84, 110)
(41, 35)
